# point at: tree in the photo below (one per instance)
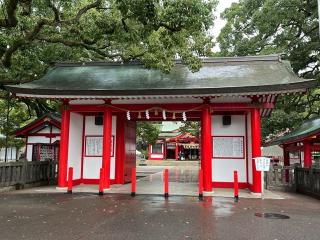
(147, 133)
(191, 127)
(35, 33)
(288, 27)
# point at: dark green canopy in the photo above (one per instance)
(235, 75)
(308, 129)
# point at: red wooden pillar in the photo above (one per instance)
(206, 148)
(120, 149)
(149, 151)
(286, 162)
(256, 149)
(307, 162)
(64, 145)
(177, 152)
(106, 152)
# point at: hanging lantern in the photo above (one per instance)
(147, 114)
(128, 116)
(173, 115)
(139, 115)
(164, 115)
(184, 116)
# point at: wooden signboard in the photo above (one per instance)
(93, 146)
(231, 147)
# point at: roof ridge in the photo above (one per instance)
(273, 57)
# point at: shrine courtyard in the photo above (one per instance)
(113, 216)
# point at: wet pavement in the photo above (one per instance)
(183, 181)
(114, 216)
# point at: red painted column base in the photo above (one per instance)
(307, 157)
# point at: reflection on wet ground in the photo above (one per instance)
(119, 216)
(182, 182)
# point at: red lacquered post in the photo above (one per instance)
(236, 186)
(101, 181)
(133, 182)
(70, 178)
(166, 183)
(200, 184)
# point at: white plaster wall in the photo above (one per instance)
(75, 144)
(86, 102)
(11, 153)
(222, 169)
(92, 165)
(156, 155)
(249, 149)
(159, 101)
(55, 139)
(29, 152)
(44, 130)
(55, 129)
(230, 99)
(38, 139)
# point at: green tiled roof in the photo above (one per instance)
(217, 76)
(170, 126)
(308, 129)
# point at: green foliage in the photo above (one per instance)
(152, 31)
(33, 34)
(191, 127)
(288, 27)
(279, 122)
(147, 133)
(16, 114)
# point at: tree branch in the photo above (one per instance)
(10, 20)
(31, 35)
(72, 43)
(6, 58)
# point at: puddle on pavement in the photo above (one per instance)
(272, 215)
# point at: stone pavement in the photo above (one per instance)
(80, 216)
(183, 181)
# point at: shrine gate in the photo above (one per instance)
(101, 101)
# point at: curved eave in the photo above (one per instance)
(262, 89)
(292, 138)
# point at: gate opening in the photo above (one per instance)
(172, 145)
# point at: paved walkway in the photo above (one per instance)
(183, 181)
(82, 216)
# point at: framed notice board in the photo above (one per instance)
(231, 147)
(93, 146)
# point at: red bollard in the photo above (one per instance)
(166, 183)
(101, 180)
(70, 178)
(200, 184)
(236, 186)
(133, 182)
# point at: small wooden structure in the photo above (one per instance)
(304, 141)
(42, 138)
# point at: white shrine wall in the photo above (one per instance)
(222, 168)
(92, 164)
(75, 144)
(156, 156)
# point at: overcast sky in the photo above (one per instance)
(219, 23)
